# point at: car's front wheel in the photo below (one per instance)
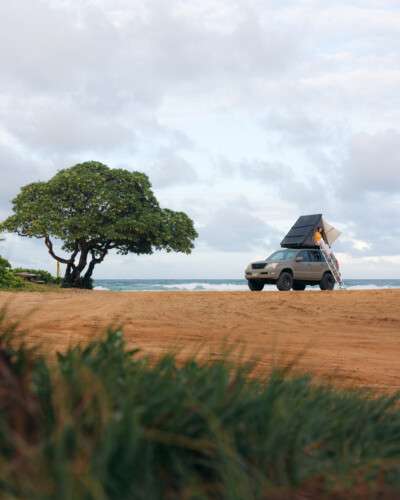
(285, 281)
(255, 285)
(327, 282)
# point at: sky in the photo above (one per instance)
(245, 114)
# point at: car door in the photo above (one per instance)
(301, 265)
(317, 265)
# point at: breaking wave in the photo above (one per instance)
(220, 285)
(370, 287)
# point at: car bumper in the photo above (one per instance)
(261, 275)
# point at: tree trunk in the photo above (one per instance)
(77, 282)
(73, 273)
(90, 269)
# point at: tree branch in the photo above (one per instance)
(49, 246)
(95, 260)
(99, 259)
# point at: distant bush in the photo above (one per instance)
(104, 423)
(4, 262)
(7, 276)
(44, 276)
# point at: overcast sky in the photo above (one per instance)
(244, 113)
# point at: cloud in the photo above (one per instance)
(383, 267)
(371, 219)
(15, 170)
(300, 99)
(50, 126)
(295, 184)
(26, 252)
(366, 193)
(299, 128)
(373, 164)
(234, 228)
(171, 170)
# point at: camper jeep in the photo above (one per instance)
(289, 269)
(301, 261)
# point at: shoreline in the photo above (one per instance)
(195, 285)
(351, 290)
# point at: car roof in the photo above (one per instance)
(308, 248)
(295, 249)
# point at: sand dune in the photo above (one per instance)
(351, 337)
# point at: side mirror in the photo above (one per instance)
(299, 259)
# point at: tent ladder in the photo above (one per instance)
(332, 267)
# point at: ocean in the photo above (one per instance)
(214, 285)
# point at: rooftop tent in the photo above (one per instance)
(330, 233)
(302, 233)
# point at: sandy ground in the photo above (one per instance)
(352, 338)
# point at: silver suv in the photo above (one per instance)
(291, 269)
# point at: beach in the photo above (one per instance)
(351, 338)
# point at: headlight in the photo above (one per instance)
(272, 266)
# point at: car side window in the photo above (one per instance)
(279, 256)
(305, 255)
(316, 256)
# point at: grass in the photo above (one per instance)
(35, 287)
(104, 422)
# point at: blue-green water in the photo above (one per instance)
(221, 285)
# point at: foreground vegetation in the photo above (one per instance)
(103, 422)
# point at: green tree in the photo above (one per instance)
(93, 209)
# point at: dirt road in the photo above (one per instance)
(351, 337)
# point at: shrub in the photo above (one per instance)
(42, 275)
(4, 262)
(7, 276)
(106, 423)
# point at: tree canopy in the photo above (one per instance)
(93, 209)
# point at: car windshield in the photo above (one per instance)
(282, 255)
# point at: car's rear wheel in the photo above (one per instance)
(298, 286)
(327, 282)
(285, 281)
(255, 285)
